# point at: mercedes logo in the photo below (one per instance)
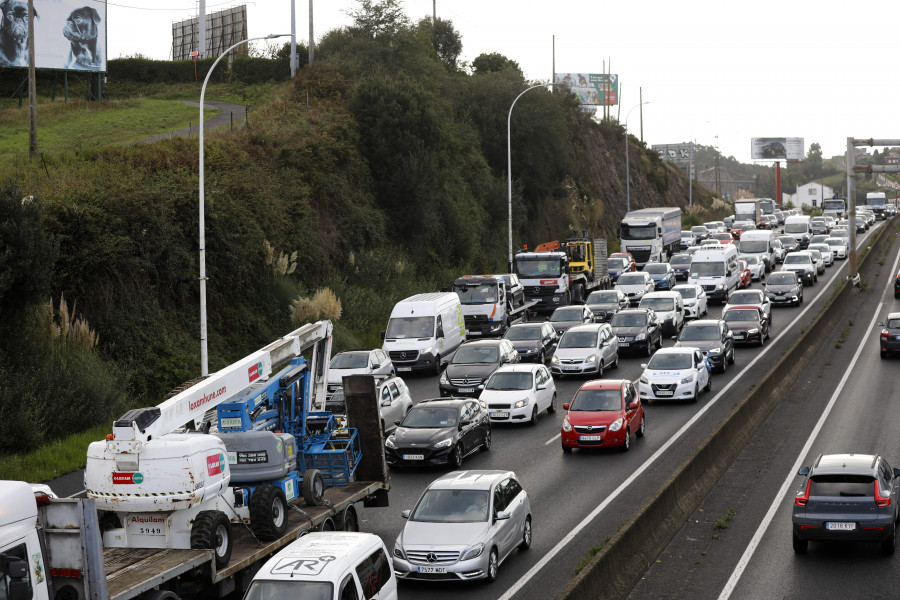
(403, 355)
(431, 557)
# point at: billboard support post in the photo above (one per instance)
(32, 86)
(778, 180)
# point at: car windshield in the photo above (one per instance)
(566, 314)
(410, 327)
(452, 506)
(748, 297)
(664, 362)
(509, 381)
(656, 268)
(796, 227)
(521, 334)
(797, 259)
(629, 320)
(631, 279)
(616, 263)
(751, 260)
(485, 293)
(695, 333)
(751, 246)
(289, 589)
(699, 229)
(471, 355)
(842, 485)
(722, 237)
(781, 279)
(430, 417)
(659, 304)
(787, 240)
(531, 268)
(638, 232)
(687, 292)
(711, 226)
(687, 234)
(680, 259)
(597, 400)
(834, 242)
(350, 360)
(740, 315)
(707, 269)
(578, 339)
(605, 297)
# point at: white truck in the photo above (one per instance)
(488, 306)
(748, 209)
(651, 234)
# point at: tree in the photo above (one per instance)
(379, 17)
(446, 40)
(813, 166)
(493, 63)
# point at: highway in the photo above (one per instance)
(579, 500)
(846, 403)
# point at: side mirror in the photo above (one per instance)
(880, 324)
(385, 402)
(397, 422)
(463, 424)
(634, 405)
(643, 365)
(805, 471)
(542, 386)
(376, 365)
(565, 406)
(405, 514)
(503, 515)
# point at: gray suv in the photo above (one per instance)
(847, 497)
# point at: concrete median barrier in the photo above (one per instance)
(617, 568)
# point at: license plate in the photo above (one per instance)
(664, 393)
(840, 526)
(499, 415)
(571, 368)
(402, 369)
(741, 336)
(590, 438)
(624, 344)
(465, 390)
(432, 569)
(473, 332)
(413, 457)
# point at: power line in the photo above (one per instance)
(194, 9)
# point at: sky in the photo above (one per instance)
(715, 73)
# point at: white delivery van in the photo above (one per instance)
(758, 242)
(328, 566)
(800, 228)
(424, 331)
(669, 308)
(716, 271)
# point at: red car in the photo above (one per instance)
(723, 238)
(603, 413)
(746, 276)
(627, 256)
(739, 227)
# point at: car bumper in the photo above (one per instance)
(531, 356)
(424, 362)
(661, 285)
(866, 531)
(633, 347)
(715, 360)
(400, 457)
(890, 344)
(576, 369)
(742, 337)
(604, 439)
(691, 312)
(486, 329)
(681, 391)
(507, 414)
(786, 299)
(454, 391)
(474, 568)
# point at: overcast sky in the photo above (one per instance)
(733, 69)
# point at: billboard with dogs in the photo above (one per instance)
(68, 34)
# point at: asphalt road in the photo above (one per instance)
(852, 391)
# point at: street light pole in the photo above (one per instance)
(627, 164)
(204, 355)
(509, 164)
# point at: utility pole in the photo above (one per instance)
(32, 86)
(293, 39)
(641, 100)
(433, 12)
(718, 175)
(201, 21)
(312, 42)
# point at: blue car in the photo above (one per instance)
(616, 266)
(663, 275)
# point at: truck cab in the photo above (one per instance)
(23, 575)
(485, 304)
(545, 276)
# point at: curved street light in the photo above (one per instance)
(627, 164)
(509, 163)
(204, 355)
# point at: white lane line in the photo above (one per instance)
(776, 503)
(534, 570)
(553, 439)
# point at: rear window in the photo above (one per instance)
(842, 485)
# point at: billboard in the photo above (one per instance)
(777, 149)
(680, 154)
(68, 34)
(223, 29)
(591, 88)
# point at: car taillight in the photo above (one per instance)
(879, 500)
(885, 334)
(802, 500)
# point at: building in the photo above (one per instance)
(811, 194)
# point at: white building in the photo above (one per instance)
(811, 194)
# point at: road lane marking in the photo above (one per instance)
(536, 568)
(779, 498)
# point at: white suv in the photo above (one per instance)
(675, 374)
(801, 263)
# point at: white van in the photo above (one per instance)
(669, 308)
(424, 331)
(716, 270)
(328, 566)
(800, 227)
(758, 242)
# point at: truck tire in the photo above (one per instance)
(350, 522)
(268, 512)
(211, 530)
(160, 595)
(313, 488)
(327, 525)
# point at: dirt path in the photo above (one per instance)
(229, 114)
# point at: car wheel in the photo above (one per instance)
(542, 359)
(487, 441)
(890, 544)
(552, 408)
(626, 445)
(615, 362)
(437, 365)
(731, 359)
(493, 565)
(600, 367)
(762, 340)
(696, 393)
(526, 535)
(708, 387)
(800, 546)
(659, 342)
(724, 366)
(643, 428)
(533, 420)
(456, 457)
(883, 354)
(649, 348)
(566, 449)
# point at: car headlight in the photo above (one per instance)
(688, 379)
(617, 425)
(753, 331)
(554, 360)
(444, 443)
(444, 379)
(715, 350)
(721, 286)
(483, 404)
(566, 425)
(644, 380)
(390, 442)
(520, 404)
(472, 552)
(398, 550)
(640, 336)
(591, 359)
(426, 350)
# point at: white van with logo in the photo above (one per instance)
(328, 566)
(759, 243)
(424, 331)
(716, 271)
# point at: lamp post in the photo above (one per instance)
(204, 356)
(509, 163)
(627, 164)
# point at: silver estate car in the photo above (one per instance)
(463, 527)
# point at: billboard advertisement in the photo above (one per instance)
(777, 149)
(223, 29)
(591, 88)
(68, 34)
(680, 154)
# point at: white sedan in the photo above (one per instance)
(674, 374)
(517, 393)
(826, 252)
(838, 247)
(695, 299)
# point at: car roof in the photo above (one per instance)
(519, 368)
(743, 307)
(700, 322)
(668, 294)
(469, 480)
(894, 315)
(603, 384)
(489, 343)
(685, 285)
(526, 325)
(844, 463)
(633, 310)
(448, 402)
(674, 350)
(587, 327)
(353, 352)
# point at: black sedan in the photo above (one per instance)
(897, 286)
(637, 330)
(748, 323)
(533, 341)
(784, 287)
(605, 303)
(439, 432)
(713, 338)
(472, 364)
(889, 340)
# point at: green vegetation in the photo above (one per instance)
(586, 559)
(58, 457)
(723, 521)
(844, 334)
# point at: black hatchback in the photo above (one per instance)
(713, 338)
(847, 497)
(637, 330)
(472, 364)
